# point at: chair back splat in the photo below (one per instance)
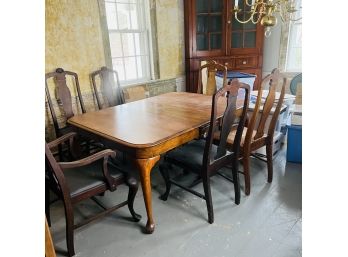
(210, 85)
(110, 93)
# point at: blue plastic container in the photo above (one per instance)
(294, 144)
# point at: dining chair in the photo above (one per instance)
(207, 80)
(62, 107)
(110, 92)
(256, 134)
(202, 156)
(79, 180)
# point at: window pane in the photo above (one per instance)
(131, 71)
(250, 39)
(115, 44)
(237, 40)
(139, 65)
(215, 41)
(202, 6)
(123, 16)
(128, 44)
(134, 18)
(111, 15)
(202, 23)
(215, 23)
(117, 65)
(202, 42)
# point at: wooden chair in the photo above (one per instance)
(84, 179)
(211, 68)
(62, 96)
(254, 135)
(206, 159)
(110, 93)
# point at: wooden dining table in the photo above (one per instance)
(147, 128)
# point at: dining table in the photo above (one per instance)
(148, 128)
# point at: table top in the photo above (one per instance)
(151, 121)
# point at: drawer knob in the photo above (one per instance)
(244, 62)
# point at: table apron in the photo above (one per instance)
(143, 152)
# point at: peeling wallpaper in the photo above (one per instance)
(73, 38)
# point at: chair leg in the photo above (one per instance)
(269, 154)
(69, 221)
(165, 174)
(133, 189)
(246, 169)
(47, 205)
(236, 183)
(207, 193)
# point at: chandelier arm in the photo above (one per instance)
(260, 14)
(246, 21)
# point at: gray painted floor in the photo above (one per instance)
(267, 223)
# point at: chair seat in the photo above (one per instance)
(85, 178)
(190, 155)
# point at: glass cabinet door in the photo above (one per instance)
(209, 24)
(242, 35)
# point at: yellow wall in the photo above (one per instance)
(170, 38)
(73, 38)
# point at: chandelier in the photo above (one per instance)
(264, 11)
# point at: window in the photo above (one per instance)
(294, 51)
(129, 37)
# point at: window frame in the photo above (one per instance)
(144, 30)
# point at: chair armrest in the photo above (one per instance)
(97, 156)
(61, 139)
(87, 160)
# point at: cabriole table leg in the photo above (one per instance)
(145, 166)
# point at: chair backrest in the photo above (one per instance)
(110, 93)
(62, 95)
(211, 68)
(273, 78)
(218, 159)
(294, 82)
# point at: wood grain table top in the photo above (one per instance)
(151, 121)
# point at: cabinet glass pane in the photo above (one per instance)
(249, 26)
(250, 39)
(202, 42)
(202, 6)
(216, 6)
(237, 40)
(215, 23)
(215, 41)
(202, 23)
(235, 24)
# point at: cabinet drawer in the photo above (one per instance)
(246, 62)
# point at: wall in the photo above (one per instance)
(73, 38)
(170, 38)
